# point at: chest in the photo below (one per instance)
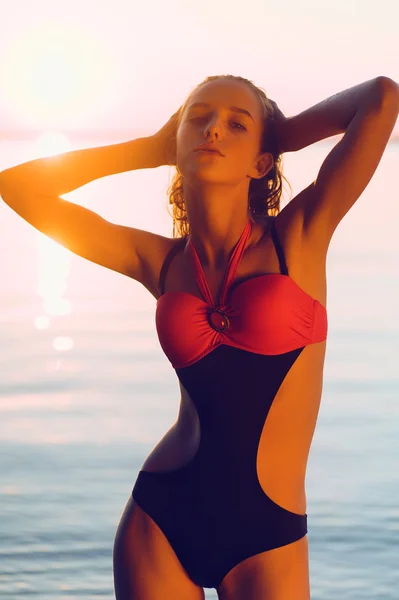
(268, 314)
(306, 267)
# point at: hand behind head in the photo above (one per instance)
(166, 140)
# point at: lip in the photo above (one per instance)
(207, 148)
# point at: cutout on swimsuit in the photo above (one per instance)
(231, 359)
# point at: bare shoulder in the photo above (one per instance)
(153, 254)
(291, 223)
(305, 255)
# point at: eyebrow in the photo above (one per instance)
(233, 108)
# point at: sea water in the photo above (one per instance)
(86, 392)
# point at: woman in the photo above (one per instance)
(241, 315)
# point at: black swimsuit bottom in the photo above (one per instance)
(229, 358)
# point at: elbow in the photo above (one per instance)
(4, 178)
(10, 181)
(389, 89)
(2, 184)
(9, 188)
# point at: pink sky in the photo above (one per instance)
(118, 65)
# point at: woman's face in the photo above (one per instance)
(229, 116)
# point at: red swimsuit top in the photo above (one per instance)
(265, 314)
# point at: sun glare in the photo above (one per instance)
(53, 260)
(54, 76)
(52, 142)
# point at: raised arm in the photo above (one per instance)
(63, 173)
(366, 114)
(33, 190)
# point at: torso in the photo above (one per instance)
(281, 465)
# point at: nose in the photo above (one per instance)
(213, 129)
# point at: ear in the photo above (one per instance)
(263, 164)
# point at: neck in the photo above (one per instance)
(214, 242)
(217, 215)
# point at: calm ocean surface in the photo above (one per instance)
(86, 392)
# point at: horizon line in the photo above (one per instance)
(28, 134)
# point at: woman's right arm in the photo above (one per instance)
(33, 191)
(63, 173)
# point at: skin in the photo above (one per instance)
(216, 197)
(216, 187)
(216, 191)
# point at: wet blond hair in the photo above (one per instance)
(264, 194)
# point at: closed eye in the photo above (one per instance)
(240, 125)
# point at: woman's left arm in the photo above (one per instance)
(366, 114)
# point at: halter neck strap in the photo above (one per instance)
(234, 261)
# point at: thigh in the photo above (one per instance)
(145, 565)
(279, 574)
